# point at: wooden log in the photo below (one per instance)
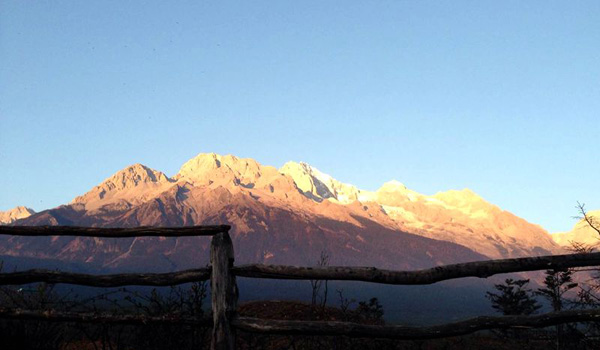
(113, 232)
(60, 316)
(224, 292)
(115, 280)
(354, 330)
(322, 328)
(482, 269)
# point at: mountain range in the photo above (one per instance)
(288, 215)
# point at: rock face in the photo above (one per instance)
(461, 217)
(128, 187)
(284, 216)
(16, 213)
(467, 219)
(319, 186)
(582, 232)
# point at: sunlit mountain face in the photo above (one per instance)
(10, 216)
(287, 215)
(581, 233)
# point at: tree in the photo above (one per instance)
(591, 220)
(317, 284)
(371, 311)
(345, 304)
(588, 290)
(557, 284)
(513, 298)
(588, 294)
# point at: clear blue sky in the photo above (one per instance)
(502, 97)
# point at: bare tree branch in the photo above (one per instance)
(588, 218)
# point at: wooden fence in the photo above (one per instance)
(224, 292)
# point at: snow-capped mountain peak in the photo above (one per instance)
(318, 185)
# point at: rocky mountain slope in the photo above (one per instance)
(582, 232)
(286, 216)
(10, 216)
(461, 217)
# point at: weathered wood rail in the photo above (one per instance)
(115, 280)
(83, 317)
(190, 231)
(224, 291)
(354, 330)
(482, 269)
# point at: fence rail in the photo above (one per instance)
(354, 330)
(83, 317)
(188, 231)
(224, 291)
(321, 328)
(482, 269)
(115, 280)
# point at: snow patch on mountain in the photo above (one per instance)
(320, 186)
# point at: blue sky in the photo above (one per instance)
(502, 97)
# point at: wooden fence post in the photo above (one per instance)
(224, 292)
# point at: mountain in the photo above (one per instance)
(16, 213)
(465, 218)
(461, 217)
(319, 186)
(286, 216)
(128, 187)
(582, 232)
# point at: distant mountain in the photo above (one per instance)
(285, 216)
(581, 233)
(10, 216)
(461, 217)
